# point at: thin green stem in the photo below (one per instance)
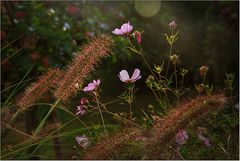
(148, 117)
(19, 84)
(39, 127)
(203, 79)
(100, 111)
(144, 59)
(12, 41)
(12, 55)
(175, 73)
(130, 103)
(16, 84)
(14, 116)
(45, 118)
(170, 53)
(182, 80)
(140, 53)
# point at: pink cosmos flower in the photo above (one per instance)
(81, 109)
(92, 86)
(83, 141)
(204, 140)
(124, 76)
(125, 29)
(172, 25)
(181, 137)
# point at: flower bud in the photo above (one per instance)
(137, 35)
(174, 58)
(172, 25)
(200, 87)
(203, 70)
(183, 71)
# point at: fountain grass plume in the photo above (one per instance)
(82, 65)
(39, 88)
(178, 118)
(109, 146)
(155, 140)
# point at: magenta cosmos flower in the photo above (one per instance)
(125, 29)
(124, 76)
(92, 86)
(181, 137)
(81, 110)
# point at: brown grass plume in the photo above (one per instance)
(81, 67)
(180, 117)
(38, 89)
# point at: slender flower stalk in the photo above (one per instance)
(170, 53)
(130, 90)
(171, 39)
(93, 87)
(133, 48)
(203, 71)
(175, 73)
(99, 109)
(183, 72)
(174, 59)
(124, 77)
(182, 80)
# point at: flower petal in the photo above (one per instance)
(124, 75)
(121, 78)
(98, 81)
(181, 137)
(135, 75)
(117, 32)
(89, 88)
(126, 28)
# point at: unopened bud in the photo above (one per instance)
(174, 58)
(203, 70)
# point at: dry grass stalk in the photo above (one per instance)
(166, 128)
(81, 67)
(50, 127)
(106, 148)
(38, 89)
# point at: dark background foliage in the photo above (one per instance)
(208, 36)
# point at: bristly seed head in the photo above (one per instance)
(81, 67)
(37, 89)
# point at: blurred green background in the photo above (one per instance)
(49, 34)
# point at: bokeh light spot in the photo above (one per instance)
(147, 8)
